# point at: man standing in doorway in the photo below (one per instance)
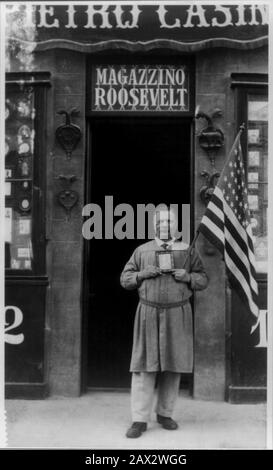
(163, 333)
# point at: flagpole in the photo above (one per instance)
(241, 130)
(191, 247)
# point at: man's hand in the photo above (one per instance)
(181, 275)
(148, 272)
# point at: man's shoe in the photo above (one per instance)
(137, 428)
(167, 423)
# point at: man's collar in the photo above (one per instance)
(162, 242)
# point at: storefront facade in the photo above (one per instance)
(102, 101)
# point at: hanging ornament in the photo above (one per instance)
(68, 134)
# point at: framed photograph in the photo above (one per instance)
(253, 202)
(257, 110)
(27, 264)
(253, 158)
(24, 226)
(165, 261)
(23, 253)
(15, 263)
(253, 136)
(253, 186)
(253, 177)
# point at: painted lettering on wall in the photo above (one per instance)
(140, 88)
(16, 320)
(130, 16)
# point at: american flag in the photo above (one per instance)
(226, 223)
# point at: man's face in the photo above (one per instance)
(165, 224)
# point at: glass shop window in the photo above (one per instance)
(19, 154)
(251, 98)
(25, 175)
(257, 173)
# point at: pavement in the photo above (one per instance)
(99, 420)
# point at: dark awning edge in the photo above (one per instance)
(140, 46)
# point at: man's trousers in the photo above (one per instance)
(142, 394)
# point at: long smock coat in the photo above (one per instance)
(163, 334)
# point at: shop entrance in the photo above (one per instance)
(135, 160)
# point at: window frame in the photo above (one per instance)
(39, 81)
(245, 84)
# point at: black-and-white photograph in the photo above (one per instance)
(135, 226)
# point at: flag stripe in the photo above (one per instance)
(241, 263)
(215, 219)
(235, 271)
(250, 241)
(217, 198)
(216, 204)
(211, 237)
(231, 231)
(241, 231)
(216, 231)
(213, 208)
(237, 286)
(241, 245)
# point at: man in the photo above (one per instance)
(163, 337)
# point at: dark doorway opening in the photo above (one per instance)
(135, 160)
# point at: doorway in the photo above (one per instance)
(135, 160)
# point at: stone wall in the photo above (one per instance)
(65, 242)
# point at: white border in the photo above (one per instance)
(269, 435)
(3, 439)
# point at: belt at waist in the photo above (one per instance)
(163, 305)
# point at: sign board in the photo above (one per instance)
(140, 88)
(94, 27)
